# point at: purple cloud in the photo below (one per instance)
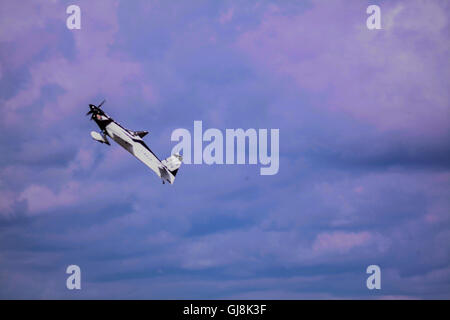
(394, 78)
(363, 119)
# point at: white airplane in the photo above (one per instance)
(133, 143)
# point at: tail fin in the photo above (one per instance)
(173, 163)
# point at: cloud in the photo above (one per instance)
(392, 78)
(363, 174)
(6, 202)
(226, 16)
(41, 198)
(92, 70)
(340, 241)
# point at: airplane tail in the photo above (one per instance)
(172, 164)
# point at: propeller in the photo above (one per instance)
(96, 109)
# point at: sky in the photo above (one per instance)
(364, 174)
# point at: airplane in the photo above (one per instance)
(132, 142)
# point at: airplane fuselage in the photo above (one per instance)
(134, 144)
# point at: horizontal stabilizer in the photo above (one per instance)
(141, 133)
(173, 163)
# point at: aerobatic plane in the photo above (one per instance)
(133, 143)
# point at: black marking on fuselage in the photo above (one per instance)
(102, 124)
